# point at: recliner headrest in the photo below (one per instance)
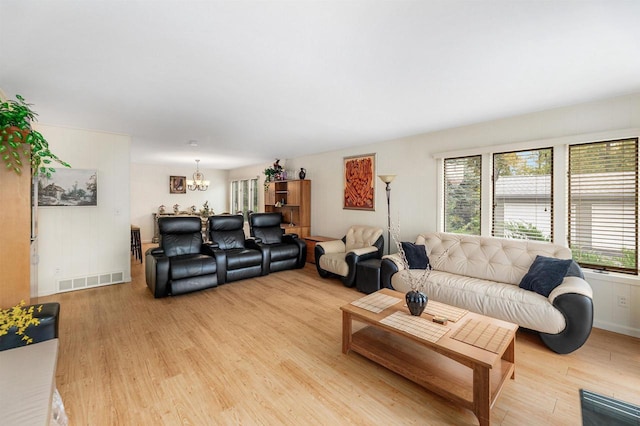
(226, 222)
(179, 225)
(262, 220)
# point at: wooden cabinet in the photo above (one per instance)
(292, 198)
(270, 195)
(294, 193)
(15, 198)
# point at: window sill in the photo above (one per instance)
(611, 277)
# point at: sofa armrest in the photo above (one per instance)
(253, 243)
(353, 258)
(156, 251)
(387, 269)
(573, 298)
(302, 248)
(571, 285)
(397, 260)
(391, 264)
(289, 238)
(364, 250)
(334, 246)
(209, 248)
(157, 272)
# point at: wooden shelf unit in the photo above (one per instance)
(294, 197)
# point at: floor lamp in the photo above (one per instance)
(387, 179)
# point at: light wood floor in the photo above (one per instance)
(268, 351)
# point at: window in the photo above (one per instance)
(462, 182)
(244, 196)
(523, 195)
(603, 201)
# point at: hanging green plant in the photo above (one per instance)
(20, 143)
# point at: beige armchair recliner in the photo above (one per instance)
(340, 257)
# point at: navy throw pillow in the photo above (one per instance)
(574, 270)
(416, 255)
(545, 274)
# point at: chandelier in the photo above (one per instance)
(198, 181)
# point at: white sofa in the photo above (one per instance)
(482, 275)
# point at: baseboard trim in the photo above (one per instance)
(617, 328)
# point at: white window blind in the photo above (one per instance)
(523, 195)
(462, 183)
(603, 205)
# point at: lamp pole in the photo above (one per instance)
(387, 179)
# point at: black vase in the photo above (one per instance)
(416, 302)
(302, 173)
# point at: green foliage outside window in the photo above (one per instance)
(527, 163)
(589, 258)
(462, 195)
(520, 230)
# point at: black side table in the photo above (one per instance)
(368, 275)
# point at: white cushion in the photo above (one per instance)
(359, 236)
(334, 262)
(487, 258)
(497, 300)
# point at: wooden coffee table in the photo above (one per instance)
(469, 376)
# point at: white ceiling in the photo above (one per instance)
(251, 81)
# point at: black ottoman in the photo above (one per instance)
(368, 275)
(47, 329)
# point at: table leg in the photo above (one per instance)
(510, 355)
(346, 332)
(481, 395)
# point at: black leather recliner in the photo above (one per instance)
(182, 263)
(281, 251)
(236, 257)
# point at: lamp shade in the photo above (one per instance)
(387, 178)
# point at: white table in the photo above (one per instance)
(27, 383)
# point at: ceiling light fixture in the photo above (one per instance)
(198, 181)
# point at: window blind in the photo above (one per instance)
(603, 205)
(462, 183)
(523, 195)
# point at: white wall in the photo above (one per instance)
(78, 242)
(414, 191)
(150, 190)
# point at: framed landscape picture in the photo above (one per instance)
(359, 182)
(68, 187)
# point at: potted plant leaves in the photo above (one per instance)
(20, 144)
